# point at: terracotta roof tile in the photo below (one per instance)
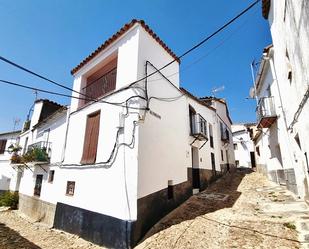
(124, 29)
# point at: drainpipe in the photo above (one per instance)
(66, 133)
(254, 84)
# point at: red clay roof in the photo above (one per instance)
(123, 30)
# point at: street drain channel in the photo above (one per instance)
(213, 196)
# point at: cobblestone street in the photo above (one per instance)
(18, 233)
(240, 210)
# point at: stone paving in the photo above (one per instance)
(240, 210)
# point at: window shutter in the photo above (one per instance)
(2, 146)
(91, 138)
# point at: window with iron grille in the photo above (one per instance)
(211, 138)
(51, 176)
(38, 185)
(100, 82)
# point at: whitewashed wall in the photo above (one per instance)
(241, 137)
(8, 175)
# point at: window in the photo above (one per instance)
(225, 135)
(257, 148)
(170, 190)
(101, 82)
(297, 140)
(237, 163)
(25, 146)
(70, 188)
(2, 146)
(38, 185)
(211, 138)
(222, 157)
(213, 163)
(51, 176)
(285, 7)
(192, 113)
(91, 138)
(235, 146)
(289, 67)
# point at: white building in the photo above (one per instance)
(243, 145)
(9, 176)
(282, 88)
(124, 154)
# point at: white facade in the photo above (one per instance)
(284, 76)
(243, 146)
(144, 143)
(9, 177)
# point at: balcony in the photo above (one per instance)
(265, 112)
(101, 86)
(225, 135)
(198, 127)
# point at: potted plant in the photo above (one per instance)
(14, 149)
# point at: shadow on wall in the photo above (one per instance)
(15, 240)
(197, 205)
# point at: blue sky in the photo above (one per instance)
(52, 37)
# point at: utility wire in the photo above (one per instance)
(149, 75)
(69, 96)
(199, 59)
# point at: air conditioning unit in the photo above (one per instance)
(199, 127)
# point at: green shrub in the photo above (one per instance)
(9, 199)
(35, 154)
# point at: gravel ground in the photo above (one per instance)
(227, 215)
(232, 222)
(18, 233)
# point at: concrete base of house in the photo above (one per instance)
(36, 209)
(95, 227)
(112, 232)
(109, 231)
(153, 207)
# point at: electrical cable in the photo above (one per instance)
(69, 96)
(208, 53)
(147, 76)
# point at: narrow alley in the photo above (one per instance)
(240, 210)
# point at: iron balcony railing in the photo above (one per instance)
(46, 146)
(225, 135)
(265, 108)
(199, 126)
(101, 86)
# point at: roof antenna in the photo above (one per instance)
(16, 122)
(214, 90)
(35, 92)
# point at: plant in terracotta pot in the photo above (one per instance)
(14, 149)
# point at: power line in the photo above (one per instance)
(120, 104)
(147, 76)
(200, 43)
(199, 59)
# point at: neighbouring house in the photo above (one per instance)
(282, 89)
(243, 145)
(42, 152)
(9, 177)
(127, 151)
